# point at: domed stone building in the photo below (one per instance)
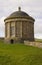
(19, 26)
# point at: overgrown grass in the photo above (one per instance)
(19, 54)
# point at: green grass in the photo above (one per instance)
(19, 54)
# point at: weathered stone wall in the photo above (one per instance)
(18, 27)
(36, 44)
(28, 30)
(23, 28)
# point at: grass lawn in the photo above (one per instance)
(19, 54)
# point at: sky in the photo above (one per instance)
(31, 7)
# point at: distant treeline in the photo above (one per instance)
(38, 40)
(1, 38)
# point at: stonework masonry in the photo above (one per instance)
(19, 28)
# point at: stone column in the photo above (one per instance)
(9, 29)
(5, 33)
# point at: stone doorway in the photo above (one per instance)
(11, 41)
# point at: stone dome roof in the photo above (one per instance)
(18, 13)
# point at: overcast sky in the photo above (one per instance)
(32, 7)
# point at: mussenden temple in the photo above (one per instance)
(19, 27)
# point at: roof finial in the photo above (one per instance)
(19, 8)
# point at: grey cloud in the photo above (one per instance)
(38, 26)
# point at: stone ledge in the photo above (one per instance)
(36, 44)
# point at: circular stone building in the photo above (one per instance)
(19, 26)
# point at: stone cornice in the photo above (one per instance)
(27, 17)
(19, 19)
